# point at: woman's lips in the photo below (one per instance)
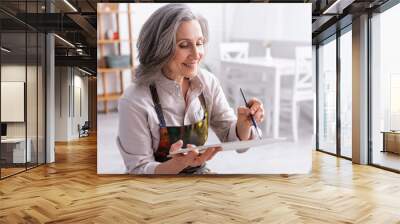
(190, 65)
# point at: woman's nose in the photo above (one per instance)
(195, 52)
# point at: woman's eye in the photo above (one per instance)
(186, 45)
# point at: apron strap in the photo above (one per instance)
(157, 104)
(203, 102)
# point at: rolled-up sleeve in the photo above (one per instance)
(223, 119)
(134, 138)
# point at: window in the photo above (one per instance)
(22, 74)
(385, 89)
(327, 96)
(346, 93)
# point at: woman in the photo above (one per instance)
(172, 102)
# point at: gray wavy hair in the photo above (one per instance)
(157, 39)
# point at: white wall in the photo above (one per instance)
(283, 22)
(13, 73)
(79, 117)
(68, 81)
(61, 103)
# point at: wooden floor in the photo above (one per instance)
(10, 171)
(70, 191)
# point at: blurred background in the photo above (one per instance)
(265, 49)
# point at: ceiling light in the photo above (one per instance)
(86, 72)
(338, 6)
(5, 49)
(331, 7)
(70, 5)
(79, 51)
(64, 40)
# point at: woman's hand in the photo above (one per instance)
(192, 158)
(178, 162)
(244, 123)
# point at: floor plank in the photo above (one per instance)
(70, 191)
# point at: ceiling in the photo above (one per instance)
(331, 15)
(77, 24)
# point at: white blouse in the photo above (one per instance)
(138, 132)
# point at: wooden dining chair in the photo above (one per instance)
(235, 51)
(251, 79)
(263, 90)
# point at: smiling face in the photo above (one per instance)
(188, 53)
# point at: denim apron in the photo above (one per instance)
(195, 134)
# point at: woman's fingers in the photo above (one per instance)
(259, 116)
(243, 116)
(192, 155)
(256, 109)
(244, 111)
(254, 105)
(176, 146)
(200, 159)
(193, 158)
(190, 146)
(216, 150)
(192, 152)
(209, 154)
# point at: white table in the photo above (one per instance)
(18, 149)
(281, 66)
